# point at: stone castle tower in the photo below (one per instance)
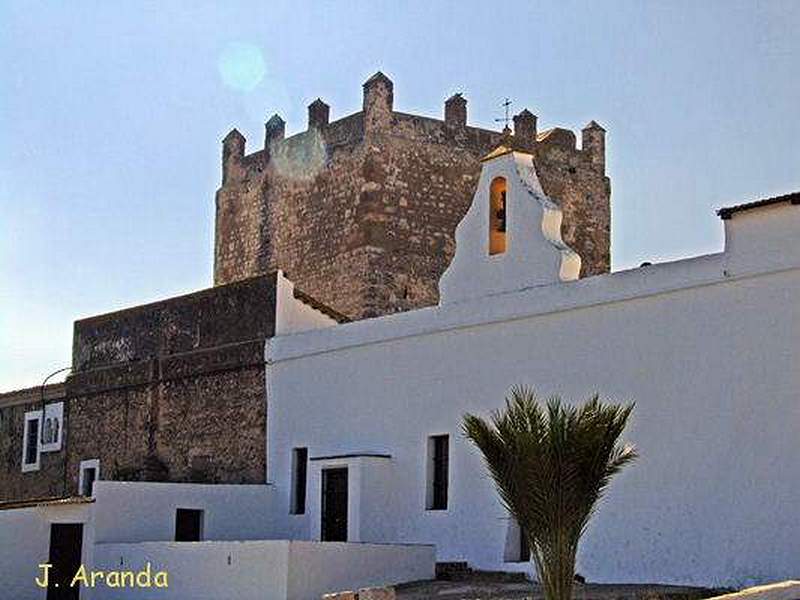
(361, 212)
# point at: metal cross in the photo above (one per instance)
(506, 104)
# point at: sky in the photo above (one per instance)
(111, 116)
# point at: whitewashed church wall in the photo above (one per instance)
(710, 359)
(766, 238)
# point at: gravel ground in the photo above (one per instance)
(513, 590)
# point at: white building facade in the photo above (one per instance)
(708, 348)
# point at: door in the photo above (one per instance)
(66, 540)
(334, 505)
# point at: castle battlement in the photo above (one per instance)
(361, 211)
(453, 128)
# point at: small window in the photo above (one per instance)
(30, 441)
(89, 473)
(524, 547)
(299, 477)
(200, 469)
(517, 547)
(51, 433)
(188, 525)
(438, 467)
(498, 216)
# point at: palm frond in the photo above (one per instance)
(551, 463)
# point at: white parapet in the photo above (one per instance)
(784, 590)
(259, 570)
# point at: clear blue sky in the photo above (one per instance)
(111, 115)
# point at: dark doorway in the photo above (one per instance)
(66, 541)
(188, 525)
(334, 505)
(524, 546)
(89, 475)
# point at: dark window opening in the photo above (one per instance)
(200, 469)
(498, 215)
(89, 477)
(32, 442)
(188, 525)
(501, 213)
(439, 467)
(299, 477)
(524, 546)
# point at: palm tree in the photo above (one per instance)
(551, 464)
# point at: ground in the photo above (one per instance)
(481, 588)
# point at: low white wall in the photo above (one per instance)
(316, 568)
(261, 570)
(145, 512)
(199, 570)
(24, 541)
(25, 544)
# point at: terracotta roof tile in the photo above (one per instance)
(728, 211)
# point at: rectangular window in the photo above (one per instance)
(89, 473)
(517, 549)
(299, 477)
(524, 547)
(188, 525)
(52, 427)
(32, 446)
(438, 471)
(30, 441)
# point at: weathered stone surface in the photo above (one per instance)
(172, 391)
(361, 212)
(376, 593)
(49, 480)
(347, 595)
(784, 590)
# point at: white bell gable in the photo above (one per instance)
(534, 253)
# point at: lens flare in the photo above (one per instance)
(241, 66)
(301, 157)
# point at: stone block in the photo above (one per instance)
(376, 593)
(347, 595)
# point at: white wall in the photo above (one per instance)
(708, 348)
(254, 570)
(262, 570)
(144, 511)
(25, 544)
(368, 485)
(535, 253)
(293, 315)
(317, 568)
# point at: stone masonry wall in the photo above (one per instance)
(48, 481)
(174, 391)
(173, 419)
(169, 391)
(361, 213)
